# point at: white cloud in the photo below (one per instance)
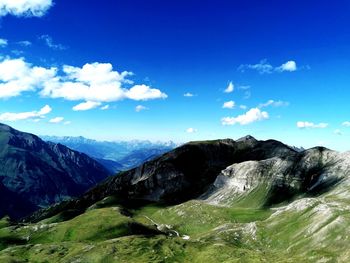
(144, 92)
(3, 42)
(17, 76)
(56, 120)
(188, 94)
(274, 103)
(229, 104)
(306, 124)
(88, 105)
(24, 7)
(139, 108)
(67, 122)
(99, 83)
(93, 83)
(50, 43)
(338, 132)
(230, 88)
(253, 115)
(288, 66)
(191, 130)
(346, 123)
(24, 43)
(263, 67)
(243, 107)
(105, 107)
(35, 115)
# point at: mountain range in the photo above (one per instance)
(115, 155)
(225, 200)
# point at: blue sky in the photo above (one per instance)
(288, 65)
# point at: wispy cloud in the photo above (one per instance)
(273, 103)
(24, 43)
(50, 43)
(191, 130)
(311, 125)
(229, 104)
(25, 7)
(189, 94)
(139, 108)
(253, 115)
(88, 105)
(264, 67)
(34, 115)
(338, 132)
(3, 42)
(346, 124)
(230, 88)
(56, 120)
(105, 107)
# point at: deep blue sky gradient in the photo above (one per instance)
(196, 46)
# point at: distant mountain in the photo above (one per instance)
(115, 155)
(36, 173)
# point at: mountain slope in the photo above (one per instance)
(179, 175)
(44, 173)
(211, 201)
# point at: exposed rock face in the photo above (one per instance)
(309, 172)
(44, 173)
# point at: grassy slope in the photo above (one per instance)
(307, 230)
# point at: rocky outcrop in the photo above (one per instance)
(309, 172)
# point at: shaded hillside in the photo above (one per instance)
(44, 173)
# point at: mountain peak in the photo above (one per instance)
(247, 138)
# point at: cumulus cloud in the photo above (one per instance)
(243, 107)
(50, 43)
(253, 115)
(229, 104)
(17, 76)
(191, 130)
(264, 67)
(34, 115)
(188, 94)
(274, 103)
(230, 88)
(346, 123)
(88, 105)
(56, 120)
(3, 42)
(24, 7)
(307, 124)
(288, 66)
(94, 83)
(139, 108)
(144, 92)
